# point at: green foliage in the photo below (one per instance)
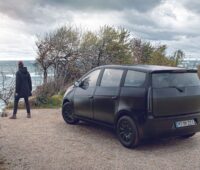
(107, 46)
(55, 100)
(45, 96)
(147, 52)
(158, 57)
(114, 45)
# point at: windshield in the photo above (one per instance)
(160, 80)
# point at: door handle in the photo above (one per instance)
(90, 97)
(114, 97)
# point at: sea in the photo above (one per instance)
(9, 68)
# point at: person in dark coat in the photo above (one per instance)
(23, 89)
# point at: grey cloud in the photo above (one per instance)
(189, 45)
(155, 34)
(193, 5)
(146, 27)
(41, 16)
(23, 10)
(140, 5)
(34, 10)
(30, 11)
(133, 17)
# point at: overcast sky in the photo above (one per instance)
(171, 22)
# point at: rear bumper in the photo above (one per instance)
(165, 126)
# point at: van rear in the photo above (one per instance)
(174, 103)
(175, 93)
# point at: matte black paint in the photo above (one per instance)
(83, 101)
(170, 101)
(154, 110)
(106, 103)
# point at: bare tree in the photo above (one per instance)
(44, 53)
(7, 88)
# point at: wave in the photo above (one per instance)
(10, 75)
(31, 74)
(2, 105)
(36, 75)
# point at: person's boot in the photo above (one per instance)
(28, 115)
(13, 116)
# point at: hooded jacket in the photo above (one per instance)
(23, 83)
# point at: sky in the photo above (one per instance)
(172, 22)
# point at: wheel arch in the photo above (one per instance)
(66, 100)
(125, 113)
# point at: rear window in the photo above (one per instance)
(134, 78)
(160, 80)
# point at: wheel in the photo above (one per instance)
(127, 132)
(67, 113)
(188, 135)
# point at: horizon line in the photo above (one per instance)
(17, 59)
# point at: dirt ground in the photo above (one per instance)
(45, 142)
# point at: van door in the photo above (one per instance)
(83, 96)
(175, 93)
(106, 95)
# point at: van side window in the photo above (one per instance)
(111, 78)
(91, 79)
(134, 78)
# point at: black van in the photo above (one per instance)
(139, 101)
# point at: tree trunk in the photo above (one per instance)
(45, 76)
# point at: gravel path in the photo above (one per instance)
(45, 142)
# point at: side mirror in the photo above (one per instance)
(76, 84)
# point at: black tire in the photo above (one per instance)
(67, 113)
(127, 132)
(188, 135)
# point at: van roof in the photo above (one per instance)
(149, 68)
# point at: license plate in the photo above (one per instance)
(185, 123)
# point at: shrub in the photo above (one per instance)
(55, 100)
(41, 100)
(45, 90)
